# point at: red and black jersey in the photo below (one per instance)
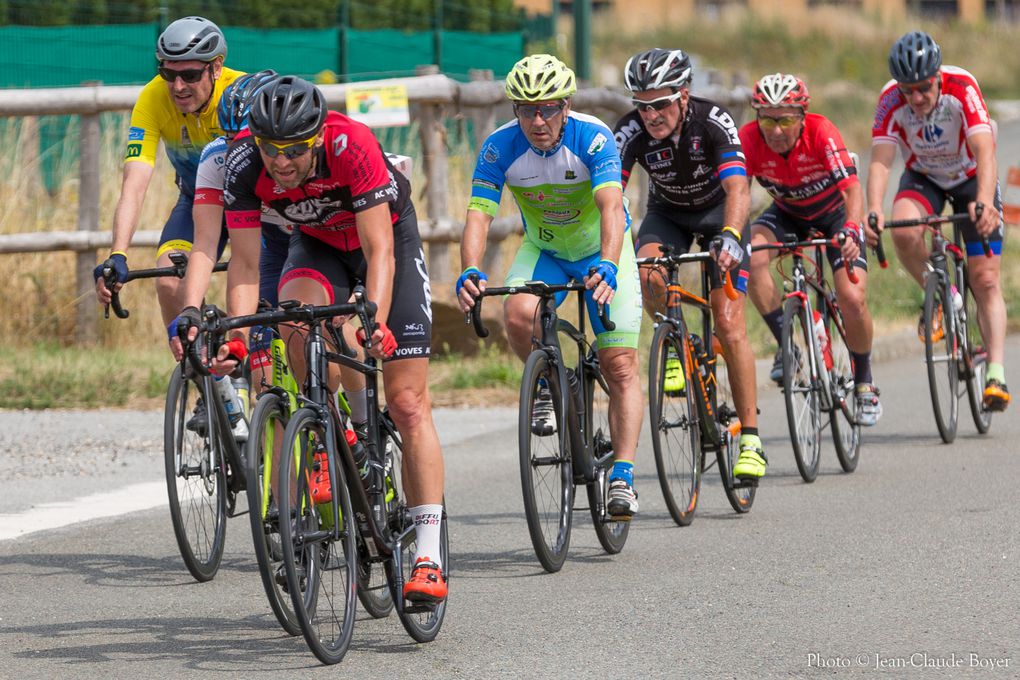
(807, 180)
(685, 171)
(351, 174)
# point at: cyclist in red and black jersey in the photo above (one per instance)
(690, 149)
(936, 115)
(800, 159)
(355, 224)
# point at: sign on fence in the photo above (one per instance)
(379, 106)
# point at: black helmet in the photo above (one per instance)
(914, 57)
(657, 68)
(289, 109)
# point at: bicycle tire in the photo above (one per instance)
(196, 487)
(675, 430)
(846, 431)
(612, 534)
(940, 357)
(739, 494)
(422, 622)
(802, 387)
(975, 362)
(268, 422)
(545, 467)
(374, 591)
(329, 579)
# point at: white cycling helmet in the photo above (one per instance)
(191, 39)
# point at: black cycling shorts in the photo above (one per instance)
(410, 317)
(784, 225)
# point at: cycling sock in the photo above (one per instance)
(996, 371)
(623, 469)
(862, 367)
(358, 401)
(750, 441)
(426, 527)
(749, 430)
(774, 320)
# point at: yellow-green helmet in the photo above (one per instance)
(540, 77)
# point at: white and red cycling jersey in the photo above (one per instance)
(807, 181)
(935, 145)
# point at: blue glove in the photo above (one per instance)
(468, 272)
(118, 263)
(607, 270)
(189, 316)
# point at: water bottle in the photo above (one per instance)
(822, 333)
(232, 404)
(698, 349)
(359, 452)
(957, 299)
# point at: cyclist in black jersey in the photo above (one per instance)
(690, 148)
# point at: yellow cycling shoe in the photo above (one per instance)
(752, 460)
(996, 397)
(673, 379)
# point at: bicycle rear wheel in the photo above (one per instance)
(319, 558)
(373, 586)
(740, 494)
(846, 431)
(802, 387)
(941, 356)
(673, 420)
(612, 534)
(975, 362)
(547, 478)
(195, 478)
(421, 621)
(268, 422)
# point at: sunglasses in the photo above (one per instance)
(548, 111)
(783, 122)
(289, 150)
(656, 104)
(923, 88)
(190, 75)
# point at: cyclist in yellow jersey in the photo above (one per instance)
(178, 106)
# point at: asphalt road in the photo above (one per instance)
(908, 567)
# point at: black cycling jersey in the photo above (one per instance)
(685, 172)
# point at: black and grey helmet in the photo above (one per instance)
(657, 68)
(191, 39)
(914, 57)
(286, 110)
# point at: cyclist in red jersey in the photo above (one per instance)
(938, 118)
(800, 159)
(355, 224)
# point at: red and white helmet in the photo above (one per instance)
(780, 90)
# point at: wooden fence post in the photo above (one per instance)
(437, 178)
(484, 120)
(88, 220)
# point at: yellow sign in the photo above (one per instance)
(379, 106)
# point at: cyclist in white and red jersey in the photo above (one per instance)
(327, 175)
(938, 118)
(697, 188)
(800, 159)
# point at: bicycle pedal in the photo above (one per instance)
(746, 483)
(420, 608)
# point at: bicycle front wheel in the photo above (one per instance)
(547, 478)
(262, 453)
(673, 420)
(421, 621)
(319, 556)
(846, 431)
(941, 356)
(195, 478)
(612, 534)
(802, 387)
(373, 586)
(975, 362)
(739, 493)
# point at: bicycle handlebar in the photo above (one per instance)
(539, 288)
(926, 221)
(836, 241)
(669, 258)
(178, 268)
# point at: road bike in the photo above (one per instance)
(818, 377)
(953, 350)
(689, 398)
(579, 450)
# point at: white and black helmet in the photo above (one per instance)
(191, 39)
(657, 68)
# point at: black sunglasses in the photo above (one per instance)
(548, 111)
(190, 75)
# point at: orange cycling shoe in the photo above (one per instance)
(427, 584)
(996, 395)
(938, 332)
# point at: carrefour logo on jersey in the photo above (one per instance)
(930, 133)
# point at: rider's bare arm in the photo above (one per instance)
(375, 231)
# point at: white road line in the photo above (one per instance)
(63, 513)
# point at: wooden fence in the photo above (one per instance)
(433, 97)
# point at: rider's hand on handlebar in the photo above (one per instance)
(726, 249)
(988, 221)
(871, 233)
(383, 342)
(601, 280)
(851, 247)
(229, 356)
(468, 289)
(183, 327)
(117, 266)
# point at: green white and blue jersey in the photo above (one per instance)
(555, 189)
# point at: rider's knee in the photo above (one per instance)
(408, 406)
(983, 281)
(730, 328)
(619, 367)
